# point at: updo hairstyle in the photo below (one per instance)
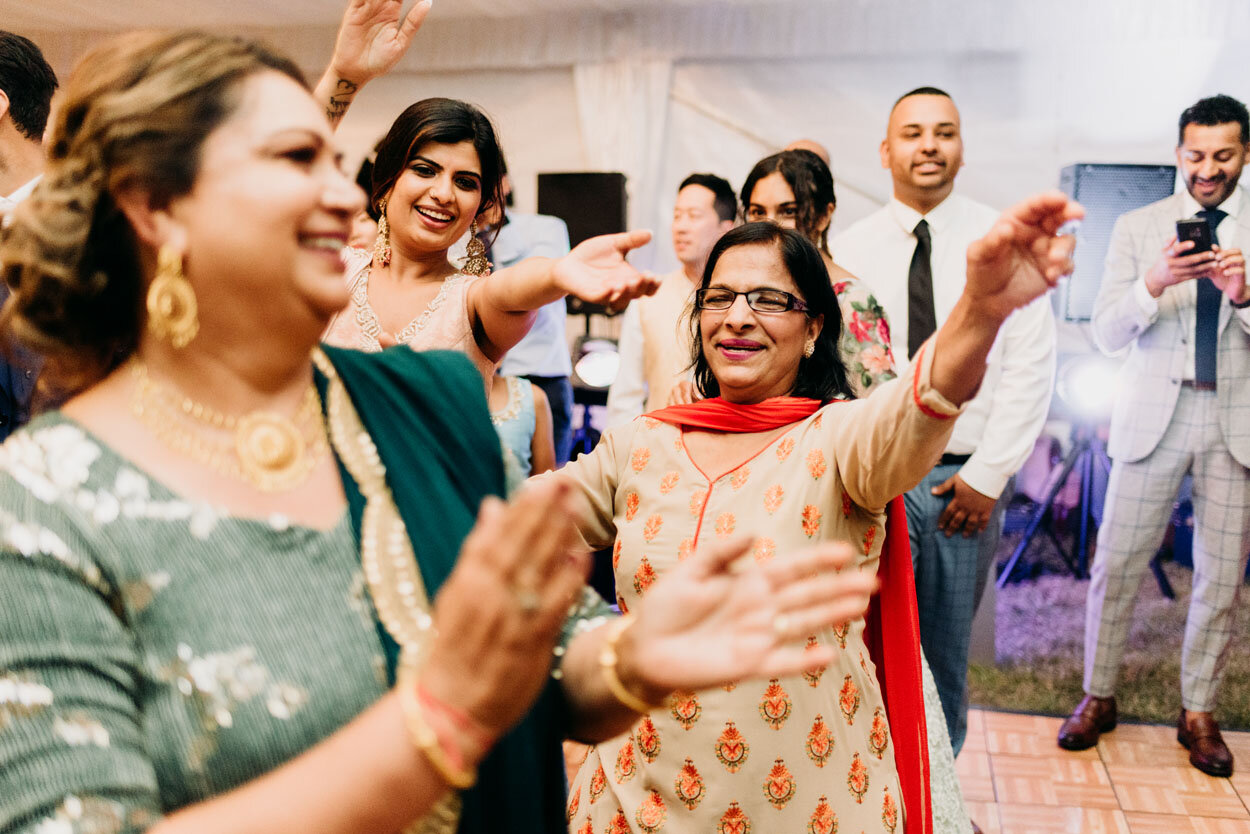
(445, 121)
(135, 113)
(812, 183)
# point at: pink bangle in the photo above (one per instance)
(458, 717)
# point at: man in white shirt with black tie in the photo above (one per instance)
(912, 255)
(27, 83)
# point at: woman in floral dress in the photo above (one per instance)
(795, 189)
(777, 451)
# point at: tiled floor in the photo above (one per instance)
(1137, 781)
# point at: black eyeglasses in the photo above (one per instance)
(761, 301)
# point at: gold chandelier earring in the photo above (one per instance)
(172, 308)
(475, 262)
(809, 348)
(382, 243)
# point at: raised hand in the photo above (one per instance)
(373, 36)
(709, 623)
(596, 270)
(1022, 256)
(1229, 274)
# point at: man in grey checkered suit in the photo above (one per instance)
(1183, 407)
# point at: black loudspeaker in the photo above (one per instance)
(589, 203)
(1106, 191)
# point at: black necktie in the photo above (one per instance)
(921, 318)
(1207, 321)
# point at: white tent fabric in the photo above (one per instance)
(658, 89)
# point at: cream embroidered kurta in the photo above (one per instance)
(805, 753)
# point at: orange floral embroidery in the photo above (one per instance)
(840, 632)
(588, 828)
(848, 700)
(811, 520)
(598, 783)
(816, 422)
(857, 779)
(846, 504)
(686, 708)
(819, 742)
(689, 786)
(652, 528)
(734, 821)
(779, 786)
(730, 687)
(725, 523)
(739, 478)
(889, 812)
(685, 550)
(816, 463)
(625, 768)
(823, 820)
(618, 825)
(696, 501)
(765, 549)
(812, 676)
(863, 664)
(651, 813)
(879, 736)
(650, 422)
(869, 537)
(620, 603)
(668, 482)
(639, 459)
(731, 748)
(616, 554)
(648, 739)
(631, 505)
(644, 577)
(573, 803)
(784, 448)
(772, 498)
(775, 705)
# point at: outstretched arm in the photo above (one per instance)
(502, 305)
(372, 38)
(1020, 259)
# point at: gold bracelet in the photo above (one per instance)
(425, 739)
(607, 663)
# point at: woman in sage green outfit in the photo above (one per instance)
(246, 584)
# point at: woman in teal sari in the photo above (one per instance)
(247, 584)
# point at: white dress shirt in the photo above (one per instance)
(1002, 422)
(1226, 233)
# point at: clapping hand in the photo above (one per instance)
(711, 621)
(373, 36)
(1022, 256)
(596, 270)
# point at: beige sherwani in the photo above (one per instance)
(764, 756)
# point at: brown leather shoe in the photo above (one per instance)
(1091, 718)
(1207, 750)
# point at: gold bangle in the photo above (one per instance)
(608, 659)
(426, 740)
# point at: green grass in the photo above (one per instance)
(1040, 642)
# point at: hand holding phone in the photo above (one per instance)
(1197, 230)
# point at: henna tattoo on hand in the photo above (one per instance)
(341, 99)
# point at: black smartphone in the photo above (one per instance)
(1196, 229)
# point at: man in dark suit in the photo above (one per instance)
(27, 83)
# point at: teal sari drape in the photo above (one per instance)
(427, 415)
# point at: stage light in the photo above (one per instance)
(598, 364)
(1088, 385)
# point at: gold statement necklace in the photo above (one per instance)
(267, 450)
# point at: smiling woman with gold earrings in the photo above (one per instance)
(438, 171)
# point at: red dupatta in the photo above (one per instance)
(891, 627)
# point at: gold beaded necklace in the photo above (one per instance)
(267, 450)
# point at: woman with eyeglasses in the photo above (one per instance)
(794, 189)
(779, 450)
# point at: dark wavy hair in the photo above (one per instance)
(1215, 110)
(28, 81)
(812, 183)
(822, 376)
(446, 121)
